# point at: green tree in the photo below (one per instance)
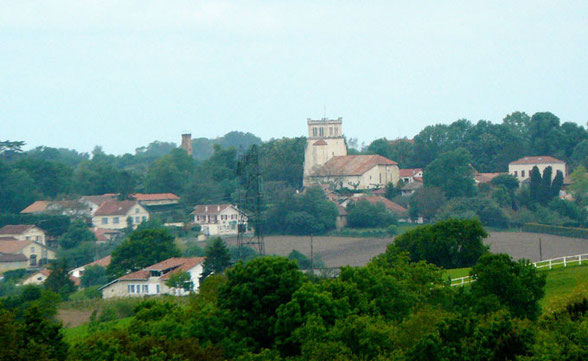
(217, 259)
(451, 172)
(180, 280)
(449, 244)
(363, 214)
(252, 295)
(517, 285)
(77, 232)
(141, 249)
(58, 280)
(425, 202)
(94, 276)
(579, 186)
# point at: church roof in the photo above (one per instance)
(347, 165)
(320, 142)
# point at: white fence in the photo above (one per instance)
(565, 261)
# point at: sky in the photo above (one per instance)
(124, 73)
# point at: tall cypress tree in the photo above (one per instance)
(557, 184)
(535, 185)
(545, 188)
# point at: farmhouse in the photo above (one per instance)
(521, 168)
(36, 254)
(219, 219)
(151, 280)
(114, 214)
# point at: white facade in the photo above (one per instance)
(151, 286)
(522, 168)
(218, 219)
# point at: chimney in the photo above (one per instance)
(187, 143)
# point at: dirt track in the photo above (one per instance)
(340, 251)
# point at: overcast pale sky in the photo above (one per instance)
(122, 73)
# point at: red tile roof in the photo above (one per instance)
(115, 208)
(544, 159)
(179, 265)
(391, 206)
(104, 262)
(37, 206)
(352, 165)
(409, 172)
(15, 228)
(320, 142)
(13, 246)
(9, 257)
(210, 208)
(485, 177)
(155, 196)
(98, 200)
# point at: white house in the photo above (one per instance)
(114, 214)
(219, 219)
(521, 168)
(151, 280)
(79, 271)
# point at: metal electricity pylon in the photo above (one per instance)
(251, 201)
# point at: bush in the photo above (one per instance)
(556, 230)
(363, 214)
(450, 244)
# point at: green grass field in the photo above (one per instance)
(75, 334)
(564, 281)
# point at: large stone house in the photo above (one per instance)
(24, 232)
(357, 172)
(219, 219)
(326, 160)
(151, 280)
(521, 168)
(94, 202)
(114, 214)
(36, 254)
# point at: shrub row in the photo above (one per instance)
(556, 230)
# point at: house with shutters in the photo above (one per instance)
(151, 280)
(114, 214)
(521, 168)
(219, 219)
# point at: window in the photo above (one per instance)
(28, 238)
(522, 173)
(515, 173)
(32, 249)
(115, 220)
(145, 288)
(157, 288)
(138, 288)
(321, 132)
(137, 220)
(331, 131)
(38, 238)
(314, 132)
(33, 260)
(131, 288)
(104, 220)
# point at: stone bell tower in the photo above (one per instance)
(324, 141)
(187, 143)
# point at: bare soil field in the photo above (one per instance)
(341, 251)
(73, 317)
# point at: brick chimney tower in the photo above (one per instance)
(187, 143)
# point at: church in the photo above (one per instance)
(326, 160)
